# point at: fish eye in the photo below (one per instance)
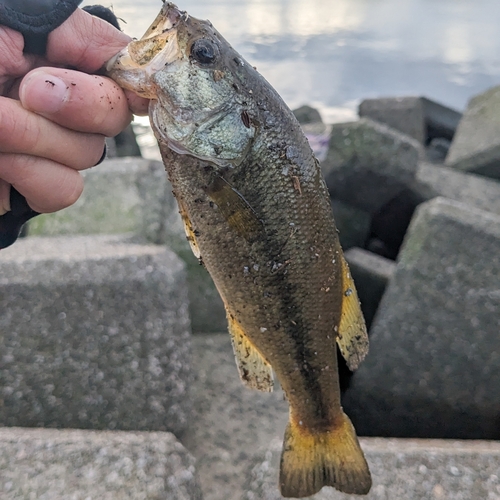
(204, 51)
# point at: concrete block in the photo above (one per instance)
(418, 117)
(126, 143)
(388, 225)
(233, 428)
(441, 121)
(158, 212)
(314, 129)
(405, 114)
(368, 164)
(371, 273)
(307, 114)
(94, 333)
(408, 469)
(134, 195)
(476, 145)
(230, 424)
(318, 135)
(49, 464)
(162, 224)
(352, 223)
(109, 204)
(474, 190)
(437, 150)
(434, 364)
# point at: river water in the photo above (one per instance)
(331, 54)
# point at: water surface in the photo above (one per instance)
(333, 53)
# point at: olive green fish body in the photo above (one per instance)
(279, 277)
(257, 214)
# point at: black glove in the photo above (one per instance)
(35, 19)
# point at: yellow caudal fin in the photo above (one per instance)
(352, 337)
(331, 458)
(255, 372)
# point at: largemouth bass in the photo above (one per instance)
(257, 215)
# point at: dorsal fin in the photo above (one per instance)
(255, 372)
(352, 337)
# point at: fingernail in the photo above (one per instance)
(103, 156)
(43, 93)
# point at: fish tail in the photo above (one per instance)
(311, 460)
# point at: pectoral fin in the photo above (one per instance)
(255, 372)
(238, 213)
(352, 337)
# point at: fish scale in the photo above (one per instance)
(257, 214)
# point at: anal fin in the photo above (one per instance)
(352, 337)
(255, 372)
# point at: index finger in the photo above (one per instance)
(84, 42)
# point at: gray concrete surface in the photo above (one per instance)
(371, 274)
(434, 364)
(474, 190)
(418, 117)
(353, 224)
(404, 469)
(476, 145)
(94, 333)
(442, 121)
(368, 164)
(162, 224)
(230, 424)
(307, 114)
(133, 195)
(109, 203)
(236, 436)
(405, 114)
(49, 464)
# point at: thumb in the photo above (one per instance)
(43, 92)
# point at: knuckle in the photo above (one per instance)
(11, 48)
(20, 131)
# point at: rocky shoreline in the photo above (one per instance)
(110, 326)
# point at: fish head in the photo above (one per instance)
(198, 86)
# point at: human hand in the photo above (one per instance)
(53, 120)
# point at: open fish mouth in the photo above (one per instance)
(157, 48)
(194, 80)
